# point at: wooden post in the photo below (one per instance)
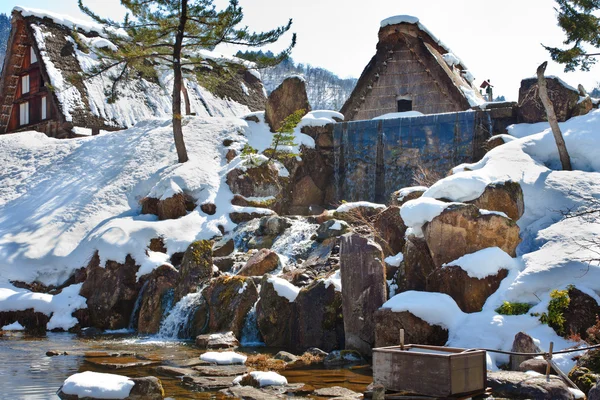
(401, 339)
(549, 361)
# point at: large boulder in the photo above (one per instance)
(264, 261)
(222, 340)
(34, 322)
(523, 343)
(594, 393)
(223, 248)
(289, 97)
(462, 229)
(584, 378)
(331, 228)
(172, 207)
(390, 230)
(159, 286)
(506, 197)
(519, 385)
(530, 108)
(274, 316)
(144, 388)
(273, 225)
(469, 293)
(196, 268)
(364, 289)
(229, 299)
(111, 292)
(306, 193)
(582, 313)
(388, 324)
(399, 197)
(418, 264)
(260, 181)
(319, 321)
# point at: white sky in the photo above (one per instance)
(498, 40)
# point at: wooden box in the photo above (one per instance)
(430, 370)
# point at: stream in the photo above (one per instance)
(27, 373)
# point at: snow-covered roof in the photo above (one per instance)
(66, 54)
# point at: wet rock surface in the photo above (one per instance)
(518, 385)
(223, 340)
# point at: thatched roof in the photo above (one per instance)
(66, 49)
(411, 61)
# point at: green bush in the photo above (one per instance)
(558, 305)
(508, 308)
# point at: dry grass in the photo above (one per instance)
(264, 362)
(425, 177)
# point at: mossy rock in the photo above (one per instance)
(195, 269)
(583, 378)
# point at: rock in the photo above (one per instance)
(224, 263)
(535, 364)
(229, 299)
(209, 208)
(273, 225)
(399, 197)
(89, 332)
(146, 388)
(315, 351)
(418, 264)
(120, 362)
(530, 108)
(166, 370)
(158, 245)
(34, 322)
(494, 142)
(220, 370)
(390, 230)
(111, 292)
(469, 293)
(461, 229)
(582, 313)
(223, 340)
(594, 393)
(231, 154)
(582, 107)
(584, 378)
(339, 358)
(261, 181)
(251, 393)
(505, 197)
(321, 257)
(364, 290)
(306, 193)
(286, 99)
(260, 242)
(192, 362)
(337, 391)
(207, 383)
(195, 269)
(237, 217)
(519, 385)
(590, 360)
(173, 207)
(155, 296)
(285, 356)
(417, 331)
(54, 353)
(331, 228)
(363, 212)
(264, 261)
(274, 316)
(319, 321)
(523, 343)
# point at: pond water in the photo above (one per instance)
(27, 373)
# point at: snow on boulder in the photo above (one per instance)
(483, 263)
(415, 213)
(261, 379)
(97, 385)
(284, 288)
(223, 358)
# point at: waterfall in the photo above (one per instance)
(250, 334)
(133, 318)
(295, 242)
(178, 319)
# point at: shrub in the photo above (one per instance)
(558, 304)
(508, 308)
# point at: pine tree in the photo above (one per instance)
(284, 137)
(577, 20)
(171, 33)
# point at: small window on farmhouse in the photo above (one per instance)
(404, 103)
(32, 56)
(24, 113)
(25, 84)
(43, 107)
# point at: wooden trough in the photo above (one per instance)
(430, 370)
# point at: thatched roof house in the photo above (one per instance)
(411, 71)
(39, 90)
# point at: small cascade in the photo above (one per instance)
(176, 323)
(133, 318)
(296, 241)
(250, 334)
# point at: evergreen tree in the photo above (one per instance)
(4, 33)
(284, 137)
(171, 33)
(577, 19)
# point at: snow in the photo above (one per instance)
(15, 326)
(433, 308)
(245, 89)
(578, 394)
(358, 204)
(451, 59)
(484, 263)
(284, 288)
(415, 213)
(268, 378)
(402, 193)
(334, 279)
(473, 97)
(405, 114)
(394, 261)
(59, 306)
(468, 76)
(337, 226)
(399, 19)
(223, 358)
(97, 385)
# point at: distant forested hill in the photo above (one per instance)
(326, 91)
(4, 32)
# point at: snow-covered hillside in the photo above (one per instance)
(555, 251)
